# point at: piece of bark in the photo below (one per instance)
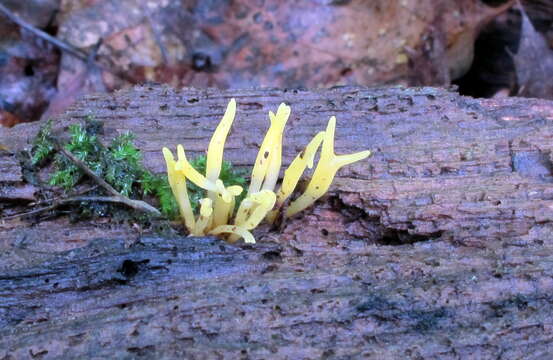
(465, 183)
(12, 186)
(10, 170)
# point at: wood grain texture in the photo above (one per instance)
(12, 184)
(200, 298)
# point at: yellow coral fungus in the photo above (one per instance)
(261, 202)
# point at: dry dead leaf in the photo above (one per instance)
(7, 119)
(533, 62)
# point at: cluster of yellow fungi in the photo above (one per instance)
(261, 202)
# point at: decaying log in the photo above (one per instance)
(439, 246)
(443, 165)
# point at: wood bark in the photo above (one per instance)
(439, 246)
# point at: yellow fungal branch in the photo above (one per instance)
(217, 145)
(264, 201)
(267, 163)
(261, 202)
(278, 122)
(178, 187)
(326, 169)
(206, 210)
(187, 170)
(225, 209)
(239, 231)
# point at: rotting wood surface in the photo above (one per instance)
(438, 246)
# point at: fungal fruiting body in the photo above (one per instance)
(262, 201)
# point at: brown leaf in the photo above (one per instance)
(7, 119)
(66, 95)
(533, 62)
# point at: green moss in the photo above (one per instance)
(158, 185)
(42, 144)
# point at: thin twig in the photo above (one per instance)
(81, 165)
(60, 44)
(57, 203)
(53, 200)
(32, 212)
(94, 68)
(157, 36)
(135, 204)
